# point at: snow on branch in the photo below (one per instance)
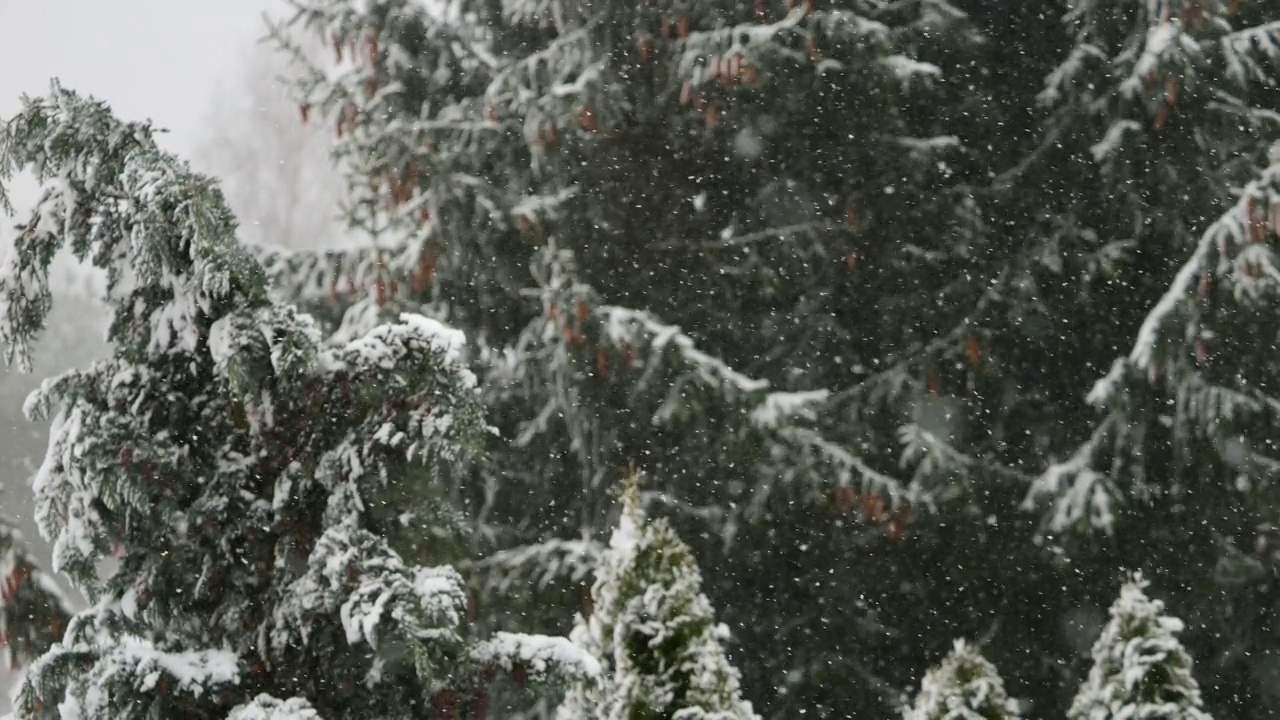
(1240, 46)
(653, 632)
(623, 325)
(1076, 491)
(1056, 84)
(110, 660)
(335, 274)
(265, 707)
(567, 68)
(1233, 241)
(1162, 43)
(669, 360)
(964, 686)
(536, 655)
(1233, 253)
(749, 40)
(355, 574)
(905, 68)
(387, 346)
(537, 565)
(1131, 68)
(1113, 139)
(162, 232)
(1140, 668)
(779, 407)
(844, 467)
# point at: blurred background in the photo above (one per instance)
(198, 70)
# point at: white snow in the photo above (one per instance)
(538, 206)
(1229, 226)
(1077, 491)
(623, 325)
(384, 345)
(193, 670)
(937, 142)
(537, 654)
(965, 686)
(779, 406)
(663, 603)
(1056, 83)
(551, 559)
(1140, 669)
(905, 68)
(265, 707)
(1111, 141)
(1159, 39)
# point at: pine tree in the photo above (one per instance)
(824, 265)
(1140, 670)
(653, 631)
(235, 465)
(965, 686)
(648, 216)
(1167, 94)
(1171, 105)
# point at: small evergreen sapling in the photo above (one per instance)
(965, 686)
(237, 467)
(1140, 670)
(653, 631)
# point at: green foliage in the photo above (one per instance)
(1139, 667)
(265, 707)
(965, 686)
(645, 217)
(1167, 89)
(929, 232)
(230, 460)
(653, 631)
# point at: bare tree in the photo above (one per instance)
(275, 169)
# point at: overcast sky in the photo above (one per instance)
(156, 59)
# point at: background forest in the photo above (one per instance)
(922, 321)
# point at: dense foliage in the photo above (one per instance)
(927, 319)
(965, 686)
(614, 202)
(841, 275)
(241, 473)
(653, 631)
(1140, 670)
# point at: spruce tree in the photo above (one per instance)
(666, 225)
(1173, 95)
(1170, 107)
(965, 686)
(236, 467)
(653, 631)
(842, 273)
(1140, 670)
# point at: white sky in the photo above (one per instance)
(157, 59)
